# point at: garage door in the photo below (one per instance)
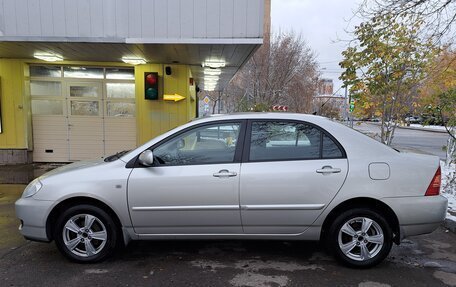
(81, 112)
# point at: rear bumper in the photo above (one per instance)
(418, 215)
(33, 214)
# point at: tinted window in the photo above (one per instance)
(284, 141)
(330, 149)
(203, 145)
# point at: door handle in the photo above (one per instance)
(328, 169)
(225, 173)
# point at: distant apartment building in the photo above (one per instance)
(326, 87)
(326, 102)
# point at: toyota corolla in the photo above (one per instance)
(242, 176)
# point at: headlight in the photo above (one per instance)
(32, 188)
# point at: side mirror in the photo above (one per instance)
(146, 158)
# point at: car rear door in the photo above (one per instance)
(290, 172)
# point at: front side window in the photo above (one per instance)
(277, 140)
(203, 145)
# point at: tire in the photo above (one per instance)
(360, 238)
(85, 234)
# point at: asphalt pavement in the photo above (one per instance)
(428, 260)
(421, 141)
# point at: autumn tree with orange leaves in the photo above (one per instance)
(384, 67)
(438, 95)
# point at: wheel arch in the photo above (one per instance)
(364, 202)
(78, 200)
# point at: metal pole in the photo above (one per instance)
(346, 107)
(350, 113)
(219, 102)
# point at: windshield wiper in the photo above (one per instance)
(116, 156)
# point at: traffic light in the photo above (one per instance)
(151, 85)
(352, 105)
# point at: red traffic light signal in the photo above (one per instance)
(151, 85)
(151, 79)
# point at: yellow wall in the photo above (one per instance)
(155, 117)
(14, 107)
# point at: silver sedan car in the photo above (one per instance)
(242, 176)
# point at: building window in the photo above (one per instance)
(46, 71)
(83, 72)
(50, 95)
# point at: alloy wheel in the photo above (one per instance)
(84, 235)
(360, 238)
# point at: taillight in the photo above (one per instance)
(434, 186)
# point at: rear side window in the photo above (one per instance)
(284, 141)
(277, 140)
(330, 148)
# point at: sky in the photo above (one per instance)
(323, 24)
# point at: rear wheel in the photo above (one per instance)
(360, 238)
(85, 233)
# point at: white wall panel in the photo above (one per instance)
(84, 20)
(186, 19)
(174, 16)
(34, 17)
(134, 18)
(119, 20)
(71, 18)
(22, 21)
(199, 19)
(9, 16)
(161, 18)
(2, 20)
(240, 18)
(226, 19)
(147, 22)
(109, 19)
(213, 19)
(58, 18)
(96, 18)
(253, 27)
(122, 18)
(46, 22)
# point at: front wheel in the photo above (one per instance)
(360, 238)
(85, 233)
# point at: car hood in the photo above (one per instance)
(73, 167)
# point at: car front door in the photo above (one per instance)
(290, 173)
(193, 186)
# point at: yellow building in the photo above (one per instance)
(74, 74)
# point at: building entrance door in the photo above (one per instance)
(77, 115)
(85, 120)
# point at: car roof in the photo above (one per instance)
(261, 115)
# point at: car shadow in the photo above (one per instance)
(222, 249)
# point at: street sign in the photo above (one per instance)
(280, 108)
(175, 97)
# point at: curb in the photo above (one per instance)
(421, 129)
(450, 225)
(411, 128)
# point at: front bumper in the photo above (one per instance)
(33, 214)
(418, 215)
